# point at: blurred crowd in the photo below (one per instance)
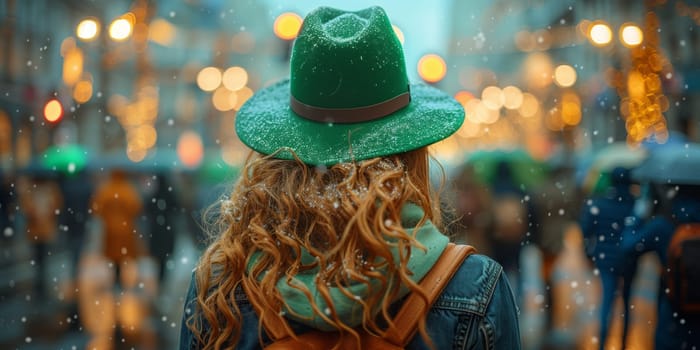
(588, 227)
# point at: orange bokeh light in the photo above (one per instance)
(432, 68)
(287, 25)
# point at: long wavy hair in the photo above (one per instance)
(344, 215)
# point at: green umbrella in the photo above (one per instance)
(527, 171)
(215, 170)
(67, 158)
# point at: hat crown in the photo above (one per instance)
(345, 27)
(344, 60)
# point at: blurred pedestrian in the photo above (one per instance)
(77, 190)
(556, 204)
(7, 222)
(117, 203)
(41, 202)
(471, 202)
(333, 220)
(652, 228)
(602, 221)
(513, 222)
(162, 209)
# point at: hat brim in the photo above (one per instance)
(266, 124)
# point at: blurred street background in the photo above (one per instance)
(139, 98)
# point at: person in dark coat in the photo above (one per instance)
(162, 210)
(670, 207)
(602, 221)
(513, 222)
(77, 191)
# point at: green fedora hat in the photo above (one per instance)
(348, 97)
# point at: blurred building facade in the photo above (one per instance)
(134, 91)
(531, 74)
(528, 74)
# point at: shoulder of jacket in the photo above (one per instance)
(473, 286)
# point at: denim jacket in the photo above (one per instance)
(476, 310)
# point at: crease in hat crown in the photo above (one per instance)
(347, 67)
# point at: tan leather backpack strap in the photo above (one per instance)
(275, 325)
(406, 322)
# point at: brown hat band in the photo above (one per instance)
(350, 115)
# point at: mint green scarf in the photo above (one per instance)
(349, 310)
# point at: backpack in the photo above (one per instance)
(683, 269)
(397, 337)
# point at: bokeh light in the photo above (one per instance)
(224, 99)
(161, 31)
(235, 78)
(565, 75)
(492, 97)
(530, 105)
(512, 97)
(287, 25)
(120, 29)
(209, 78)
(432, 68)
(463, 97)
(190, 149)
(538, 70)
(53, 110)
(631, 35)
(600, 33)
(87, 29)
(82, 91)
(399, 33)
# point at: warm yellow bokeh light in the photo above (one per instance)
(600, 34)
(432, 68)
(492, 97)
(242, 96)
(565, 75)
(73, 61)
(235, 78)
(538, 70)
(571, 109)
(136, 152)
(87, 29)
(635, 85)
(82, 91)
(146, 134)
(287, 25)
(53, 111)
(67, 45)
(512, 97)
(530, 105)
(631, 35)
(209, 78)
(120, 29)
(470, 110)
(487, 115)
(161, 31)
(399, 33)
(224, 99)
